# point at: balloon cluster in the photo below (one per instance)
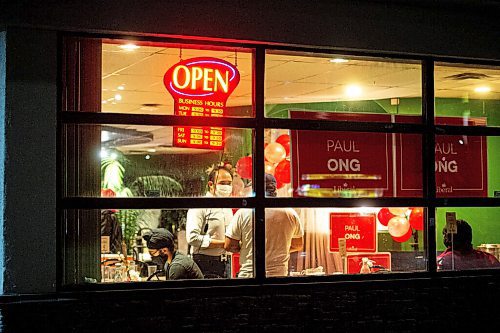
(276, 161)
(400, 223)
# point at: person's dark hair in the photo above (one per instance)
(462, 239)
(159, 239)
(213, 173)
(270, 185)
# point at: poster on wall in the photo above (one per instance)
(359, 231)
(200, 88)
(376, 262)
(461, 165)
(341, 164)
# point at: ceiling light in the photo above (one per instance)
(339, 60)
(353, 91)
(147, 157)
(152, 150)
(129, 47)
(118, 97)
(121, 87)
(482, 89)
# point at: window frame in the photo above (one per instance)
(259, 123)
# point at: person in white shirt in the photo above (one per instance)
(284, 234)
(205, 228)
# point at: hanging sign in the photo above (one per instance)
(358, 230)
(200, 88)
(344, 164)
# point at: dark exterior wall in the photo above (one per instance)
(460, 28)
(420, 305)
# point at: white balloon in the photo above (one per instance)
(398, 226)
(398, 211)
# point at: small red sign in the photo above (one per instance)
(200, 88)
(359, 231)
(377, 261)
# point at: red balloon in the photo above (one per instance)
(384, 215)
(279, 184)
(284, 140)
(282, 172)
(244, 167)
(417, 218)
(403, 238)
(107, 192)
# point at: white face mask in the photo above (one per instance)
(223, 190)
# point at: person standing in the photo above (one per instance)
(284, 235)
(205, 228)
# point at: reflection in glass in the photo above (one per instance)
(467, 95)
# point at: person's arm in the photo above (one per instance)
(232, 245)
(298, 237)
(297, 244)
(233, 233)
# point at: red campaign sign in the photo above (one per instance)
(359, 231)
(200, 88)
(341, 164)
(381, 260)
(460, 162)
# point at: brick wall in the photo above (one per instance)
(417, 305)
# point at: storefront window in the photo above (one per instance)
(467, 238)
(143, 161)
(467, 95)
(168, 134)
(344, 88)
(328, 241)
(339, 164)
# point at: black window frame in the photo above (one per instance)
(427, 129)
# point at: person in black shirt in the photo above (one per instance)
(160, 243)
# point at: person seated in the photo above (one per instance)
(460, 254)
(160, 243)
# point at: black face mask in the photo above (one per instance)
(159, 260)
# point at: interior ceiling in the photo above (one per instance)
(137, 76)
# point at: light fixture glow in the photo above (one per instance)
(353, 91)
(147, 157)
(339, 60)
(121, 87)
(482, 89)
(129, 47)
(152, 150)
(113, 156)
(118, 97)
(104, 153)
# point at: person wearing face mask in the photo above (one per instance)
(160, 243)
(205, 228)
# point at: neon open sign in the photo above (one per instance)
(200, 87)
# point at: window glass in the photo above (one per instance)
(328, 241)
(345, 88)
(134, 79)
(156, 161)
(152, 244)
(344, 164)
(467, 95)
(467, 238)
(466, 166)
